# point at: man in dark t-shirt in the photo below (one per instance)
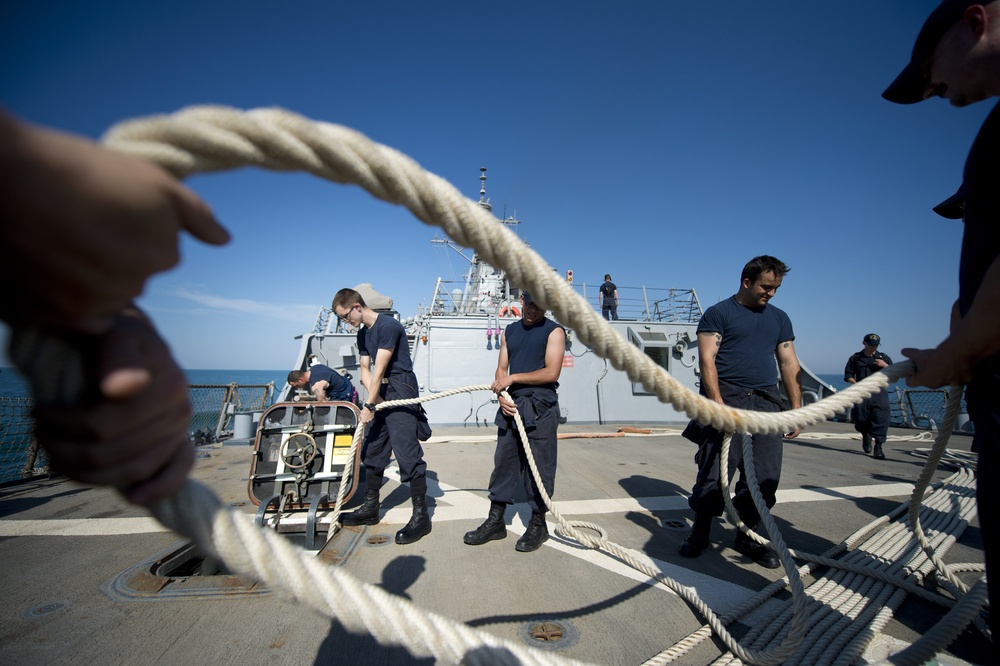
(739, 340)
(957, 56)
(387, 375)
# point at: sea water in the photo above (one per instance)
(13, 384)
(14, 412)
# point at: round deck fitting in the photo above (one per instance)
(549, 634)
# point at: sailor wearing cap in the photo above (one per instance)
(871, 417)
(957, 57)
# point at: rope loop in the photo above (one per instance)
(214, 138)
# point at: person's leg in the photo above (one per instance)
(543, 442)
(705, 499)
(375, 456)
(860, 416)
(878, 417)
(402, 426)
(985, 416)
(544, 449)
(503, 481)
(767, 454)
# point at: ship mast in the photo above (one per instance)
(483, 201)
(485, 286)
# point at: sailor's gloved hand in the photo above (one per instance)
(132, 435)
(83, 227)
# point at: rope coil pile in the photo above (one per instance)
(202, 139)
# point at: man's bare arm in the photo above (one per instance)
(791, 377)
(708, 349)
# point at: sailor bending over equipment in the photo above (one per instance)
(324, 382)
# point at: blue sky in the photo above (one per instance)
(664, 142)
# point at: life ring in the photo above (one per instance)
(514, 312)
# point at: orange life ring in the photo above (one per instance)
(513, 311)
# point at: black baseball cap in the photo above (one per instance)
(527, 297)
(953, 207)
(872, 339)
(908, 88)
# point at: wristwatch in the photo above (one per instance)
(370, 406)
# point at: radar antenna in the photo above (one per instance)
(483, 201)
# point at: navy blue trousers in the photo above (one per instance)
(394, 432)
(872, 416)
(983, 400)
(706, 496)
(510, 463)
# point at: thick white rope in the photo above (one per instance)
(801, 620)
(214, 138)
(211, 138)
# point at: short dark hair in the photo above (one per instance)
(347, 298)
(295, 376)
(765, 263)
(607, 277)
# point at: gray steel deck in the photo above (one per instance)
(65, 547)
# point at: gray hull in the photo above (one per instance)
(453, 352)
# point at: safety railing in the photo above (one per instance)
(213, 411)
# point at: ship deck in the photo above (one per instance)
(77, 589)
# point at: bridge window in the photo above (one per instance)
(656, 346)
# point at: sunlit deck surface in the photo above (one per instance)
(66, 550)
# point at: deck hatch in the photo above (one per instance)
(178, 572)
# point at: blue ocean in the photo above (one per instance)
(16, 426)
(13, 385)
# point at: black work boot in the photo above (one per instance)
(757, 552)
(492, 530)
(420, 522)
(878, 455)
(536, 534)
(866, 442)
(697, 539)
(367, 513)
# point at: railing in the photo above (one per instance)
(214, 407)
(918, 408)
(213, 410)
(649, 303)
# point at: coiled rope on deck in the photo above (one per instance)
(201, 139)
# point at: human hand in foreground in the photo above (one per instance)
(937, 367)
(83, 227)
(133, 435)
